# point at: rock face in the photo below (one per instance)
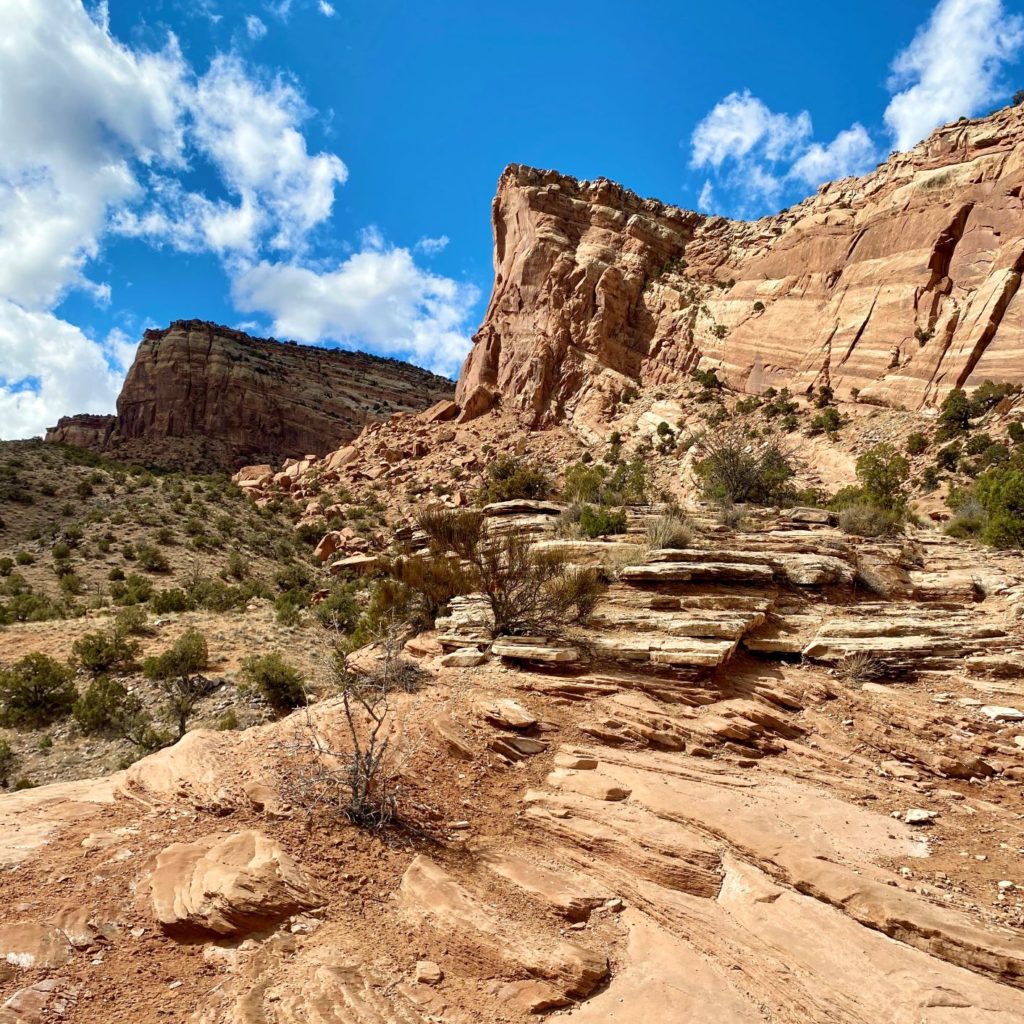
(902, 284)
(200, 393)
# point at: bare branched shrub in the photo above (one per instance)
(731, 516)
(670, 531)
(859, 667)
(361, 783)
(529, 592)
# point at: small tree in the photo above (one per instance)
(178, 672)
(35, 691)
(735, 468)
(509, 477)
(108, 651)
(106, 708)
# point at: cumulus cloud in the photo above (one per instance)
(741, 122)
(50, 367)
(757, 156)
(952, 67)
(850, 152)
(377, 297)
(326, 9)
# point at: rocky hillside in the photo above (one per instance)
(207, 396)
(899, 286)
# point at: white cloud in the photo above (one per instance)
(952, 67)
(432, 246)
(51, 368)
(756, 156)
(377, 297)
(850, 152)
(255, 27)
(741, 121)
(326, 9)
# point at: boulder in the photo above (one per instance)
(228, 885)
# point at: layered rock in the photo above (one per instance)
(201, 393)
(902, 284)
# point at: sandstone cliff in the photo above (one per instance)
(198, 393)
(902, 284)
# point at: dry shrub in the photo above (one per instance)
(529, 592)
(859, 667)
(670, 531)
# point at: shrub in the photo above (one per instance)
(174, 599)
(826, 422)
(528, 592)
(759, 306)
(824, 396)
(340, 609)
(280, 684)
(600, 522)
(417, 590)
(106, 708)
(27, 558)
(948, 457)
(1000, 492)
(954, 415)
(866, 519)
(35, 691)
(968, 516)
(135, 589)
(151, 558)
(625, 484)
(109, 651)
(917, 443)
(177, 671)
(1015, 431)
(883, 474)
(670, 531)
(734, 468)
(61, 551)
(6, 566)
(858, 667)
(508, 478)
(989, 394)
(708, 379)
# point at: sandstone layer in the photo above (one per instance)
(901, 285)
(201, 394)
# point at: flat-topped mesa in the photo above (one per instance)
(201, 392)
(902, 284)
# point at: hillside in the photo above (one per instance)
(202, 396)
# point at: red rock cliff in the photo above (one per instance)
(201, 393)
(902, 284)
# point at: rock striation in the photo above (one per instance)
(899, 285)
(201, 394)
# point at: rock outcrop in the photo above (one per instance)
(200, 394)
(902, 284)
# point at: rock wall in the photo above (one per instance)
(198, 392)
(902, 284)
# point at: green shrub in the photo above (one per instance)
(1000, 492)
(917, 443)
(27, 558)
(6, 566)
(989, 394)
(35, 691)
(151, 558)
(135, 589)
(108, 651)
(1015, 432)
(670, 531)
(883, 474)
(416, 589)
(828, 421)
(281, 685)
(600, 522)
(954, 415)
(164, 602)
(61, 551)
(340, 609)
(708, 379)
(948, 458)
(509, 478)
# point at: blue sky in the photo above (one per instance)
(324, 171)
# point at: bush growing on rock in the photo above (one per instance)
(416, 590)
(509, 477)
(878, 506)
(35, 691)
(917, 443)
(954, 415)
(601, 522)
(281, 685)
(866, 519)
(529, 593)
(670, 531)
